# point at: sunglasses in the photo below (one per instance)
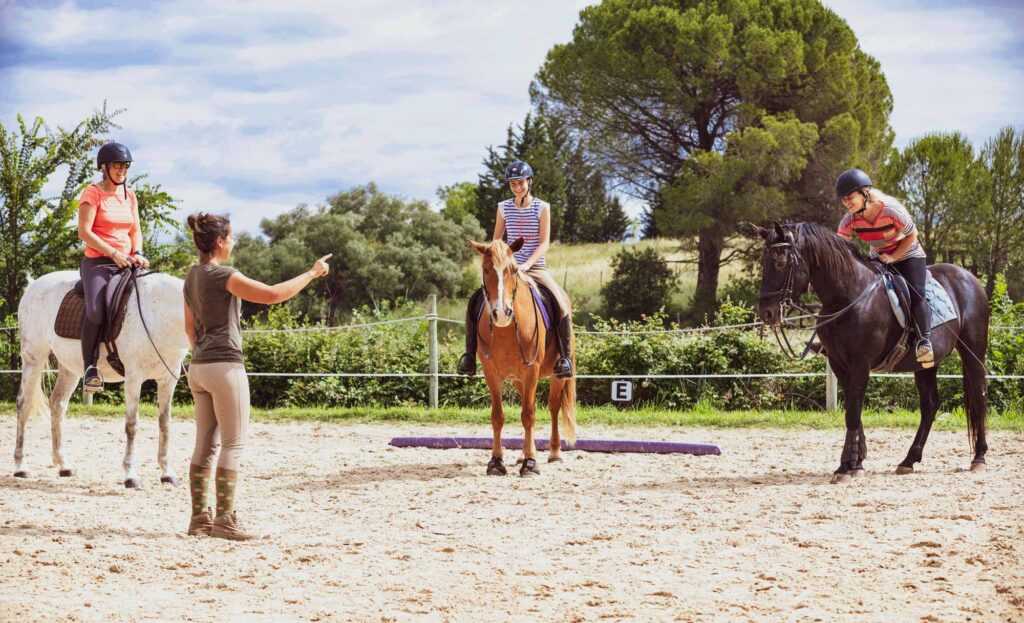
(118, 166)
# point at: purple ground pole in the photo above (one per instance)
(587, 445)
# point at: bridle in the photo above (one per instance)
(515, 324)
(794, 259)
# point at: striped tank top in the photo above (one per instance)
(892, 224)
(524, 222)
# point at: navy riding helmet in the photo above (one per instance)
(112, 152)
(518, 170)
(851, 180)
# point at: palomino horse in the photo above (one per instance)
(513, 344)
(151, 347)
(858, 331)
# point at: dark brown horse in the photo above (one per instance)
(513, 344)
(858, 330)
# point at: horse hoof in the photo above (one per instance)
(839, 478)
(21, 474)
(169, 480)
(132, 483)
(554, 459)
(529, 468)
(977, 467)
(902, 469)
(64, 473)
(856, 473)
(495, 467)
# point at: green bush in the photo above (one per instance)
(641, 283)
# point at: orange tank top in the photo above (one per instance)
(114, 218)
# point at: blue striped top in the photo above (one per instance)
(523, 222)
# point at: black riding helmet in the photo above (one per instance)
(518, 170)
(114, 152)
(851, 180)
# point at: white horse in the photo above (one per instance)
(162, 308)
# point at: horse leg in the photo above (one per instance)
(529, 417)
(855, 384)
(132, 396)
(67, 382)
(30, 399)
(555, 405)
(975, 393)
(928, 391)
(165, 392)
(496, 466)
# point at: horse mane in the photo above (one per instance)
(502, 258)
(835, 254)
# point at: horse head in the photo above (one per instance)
(784, 273)
(500, 278)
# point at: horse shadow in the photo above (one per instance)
(361, 476)
(24, 530)
(53, 486)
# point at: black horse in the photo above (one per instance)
(858, 330)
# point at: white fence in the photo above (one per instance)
(433, 373)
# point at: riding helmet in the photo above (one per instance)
(518, 170)
(112, 152)
(850, 180)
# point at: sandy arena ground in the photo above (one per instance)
(359, 531)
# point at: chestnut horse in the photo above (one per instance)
(513, 344)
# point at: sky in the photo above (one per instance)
(251, 108)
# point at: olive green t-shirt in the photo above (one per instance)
(217, 314)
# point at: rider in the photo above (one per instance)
(530, 218)
(885, 224)
(108, 224)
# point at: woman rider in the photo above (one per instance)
(108, 224)
(217, 376)
(885, 224)
(530, 218)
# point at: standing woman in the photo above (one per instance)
(108, 224)
(216, 374)
(530, 218)
(883, 222)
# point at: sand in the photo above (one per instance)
(359, 531)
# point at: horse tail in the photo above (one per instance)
(568, 404)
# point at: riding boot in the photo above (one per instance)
(923, 320)
(92, 382)
(467, 363)
(563, 367)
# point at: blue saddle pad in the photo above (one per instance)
(938, 301)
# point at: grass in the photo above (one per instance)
(582, 270)
(586, 416)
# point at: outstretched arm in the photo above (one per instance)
(258, 292)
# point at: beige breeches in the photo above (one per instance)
(221, 393)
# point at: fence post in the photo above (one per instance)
(831, 388)
(432, 347)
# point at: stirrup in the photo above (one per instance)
(467, 364)
(93, 383)
(563, 368)
(925, 354)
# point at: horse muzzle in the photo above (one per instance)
(770, 315)
(499, 319)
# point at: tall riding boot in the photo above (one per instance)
(923, 320)
(563, 367)
(467, 363)
(92, 381)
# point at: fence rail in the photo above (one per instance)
(434, 374)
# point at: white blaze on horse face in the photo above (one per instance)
(501, 319)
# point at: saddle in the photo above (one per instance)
(72, 311)
(898, 292)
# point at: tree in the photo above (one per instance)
(648, 85)
(641, 284)
(459, 200)
(999, 232)
(582, 209)
(938, 179)
(164, 241)
(384, 248)
(35, 231)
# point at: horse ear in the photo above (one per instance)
(481, 248)
(760, 231)
(518, 244)
(778, 230)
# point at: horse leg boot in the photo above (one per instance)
(563, 367)
(467, 363)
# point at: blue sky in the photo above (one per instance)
(253, 107)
